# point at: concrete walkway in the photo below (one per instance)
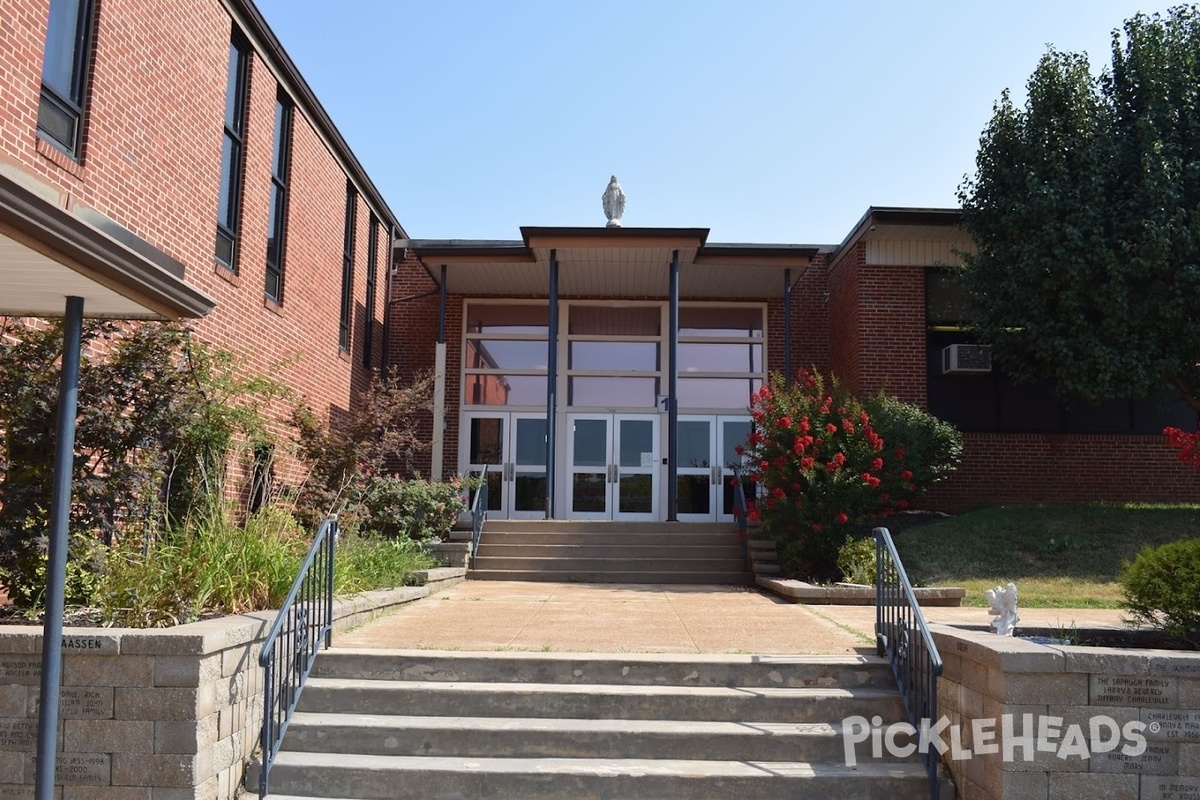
(862, 618)
(608, 618)
(652, 618)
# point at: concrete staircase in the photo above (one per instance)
(376, 724)
(610, 552)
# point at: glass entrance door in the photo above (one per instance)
(513, 446)
(613, 466)
(705, 446)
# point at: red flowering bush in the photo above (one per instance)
(830, 465)
(1188, 445)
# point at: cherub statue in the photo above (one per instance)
(1002, 601)
(613, 201)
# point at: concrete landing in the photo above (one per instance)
(608, 618)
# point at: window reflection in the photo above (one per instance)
(711, 357)
(717, 392)
(507, 319)
(614, 392)
(692, 443)
(505, 390)
(506, 354)
(615, 321)
(616, 356)
(721, 321)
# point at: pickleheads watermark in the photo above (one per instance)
(1013, 738)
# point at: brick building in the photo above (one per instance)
(876, 310)
(180, 131)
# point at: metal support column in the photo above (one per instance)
(787, 326)
(552, 385)
(56, 570)
(672, 394)
(437, 456)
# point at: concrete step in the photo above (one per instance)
(602, 701)
(372, 777)
(505, 549)
(506, 737)
(634, 669)
(603, 526)
(626, 539)
(725, 577)
(613, 563)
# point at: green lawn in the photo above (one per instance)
(1060, 556)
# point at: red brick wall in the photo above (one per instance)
(845, 325)
(1040, 468)
(151, 161)
(810, 318)
(810, 323)
(877, 326)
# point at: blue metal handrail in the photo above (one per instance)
(902, 636)
(479, 509)
(304, 621)
(741, 515)
(741, 509)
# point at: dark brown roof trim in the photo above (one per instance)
(700, 234)
(305, 96)
(764, 250)
(120, 266)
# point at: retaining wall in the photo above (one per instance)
(161, 714)
(986, 677)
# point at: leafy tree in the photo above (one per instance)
(1085, 211)
(158, 412)
(382, 433)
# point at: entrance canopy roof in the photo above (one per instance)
(612, 262)
(48, 254)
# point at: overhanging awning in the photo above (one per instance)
(54, 263)
(613, 263)
(48, 254)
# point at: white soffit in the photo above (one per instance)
(33, 284)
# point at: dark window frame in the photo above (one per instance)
(348, 245)
(281, 168)
(372, 275)
(67, 102)
(234, 134)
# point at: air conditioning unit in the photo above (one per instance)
(966, 359)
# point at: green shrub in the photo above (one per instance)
(931, 447)
(212, 567)
(23, 569)
(365, 562)
(414, 509)
(1162, 588)
(158, 414)
(829, 466)
(856, 559)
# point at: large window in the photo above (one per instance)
(277, 220)
(505, 357)
(237, 89)
(720, 355)
(993, 402)
(64, 73)
(614, 354)
(372, 269)
(348, 267)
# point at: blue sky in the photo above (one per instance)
(764, 121)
